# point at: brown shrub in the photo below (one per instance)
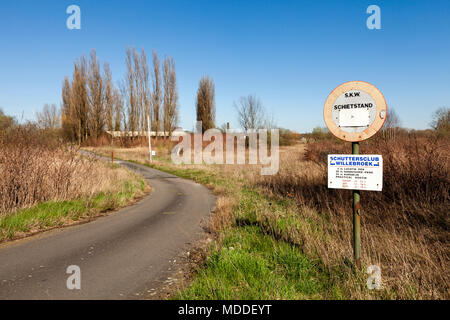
(288, 137)
(405, 227)
(415, 180)
(35, 167)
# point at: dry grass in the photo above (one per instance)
(404, 228)
(35, 170)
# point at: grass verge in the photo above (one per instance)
(249, 264)
(253, 227)
(51, 214)
(253, 258)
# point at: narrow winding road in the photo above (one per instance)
(119, 255)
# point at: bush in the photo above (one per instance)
(35, 167)
(415, 178)
(404, 227)
(288, 137)
(6, 122)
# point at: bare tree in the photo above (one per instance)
(96, 97)
(80, 100)
(157, 94)
(137, 90)
(251, 114)
(130, 91)
(109, 97)
(391, 125)
(206, 108)
(170, 101)
(124, 94)
(441, 120)
(68, 120)
(118, 109)
(49, 117)
(392, 119)
(91, 102)
(270, 121)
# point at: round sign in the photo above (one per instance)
(355, 111)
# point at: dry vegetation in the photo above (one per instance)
(405, 227)
(136, 150)
(36, 169)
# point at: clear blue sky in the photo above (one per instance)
(289, 53)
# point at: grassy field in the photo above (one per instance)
(273, 240)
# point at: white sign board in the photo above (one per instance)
(153, 153)
(355, 111)
(354, 118)
(355, 172)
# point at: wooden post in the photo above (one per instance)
(112, 157)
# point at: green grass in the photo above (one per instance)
(255, 258)
(259, 256)
(273, 248)
(198, 175)
(248, 264)
(58, 213)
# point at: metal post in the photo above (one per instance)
(356, 218)
(149, 139)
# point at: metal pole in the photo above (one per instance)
(356, 218)
(149, 139)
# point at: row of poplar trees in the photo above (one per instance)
(92, 104)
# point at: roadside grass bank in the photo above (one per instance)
(248, 263)
(270, 245)
(45, 183)
(255, 254)
(120, 187)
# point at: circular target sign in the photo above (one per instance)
(355, 111)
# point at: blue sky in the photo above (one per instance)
(291, 54)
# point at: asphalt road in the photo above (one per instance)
(119, 255)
